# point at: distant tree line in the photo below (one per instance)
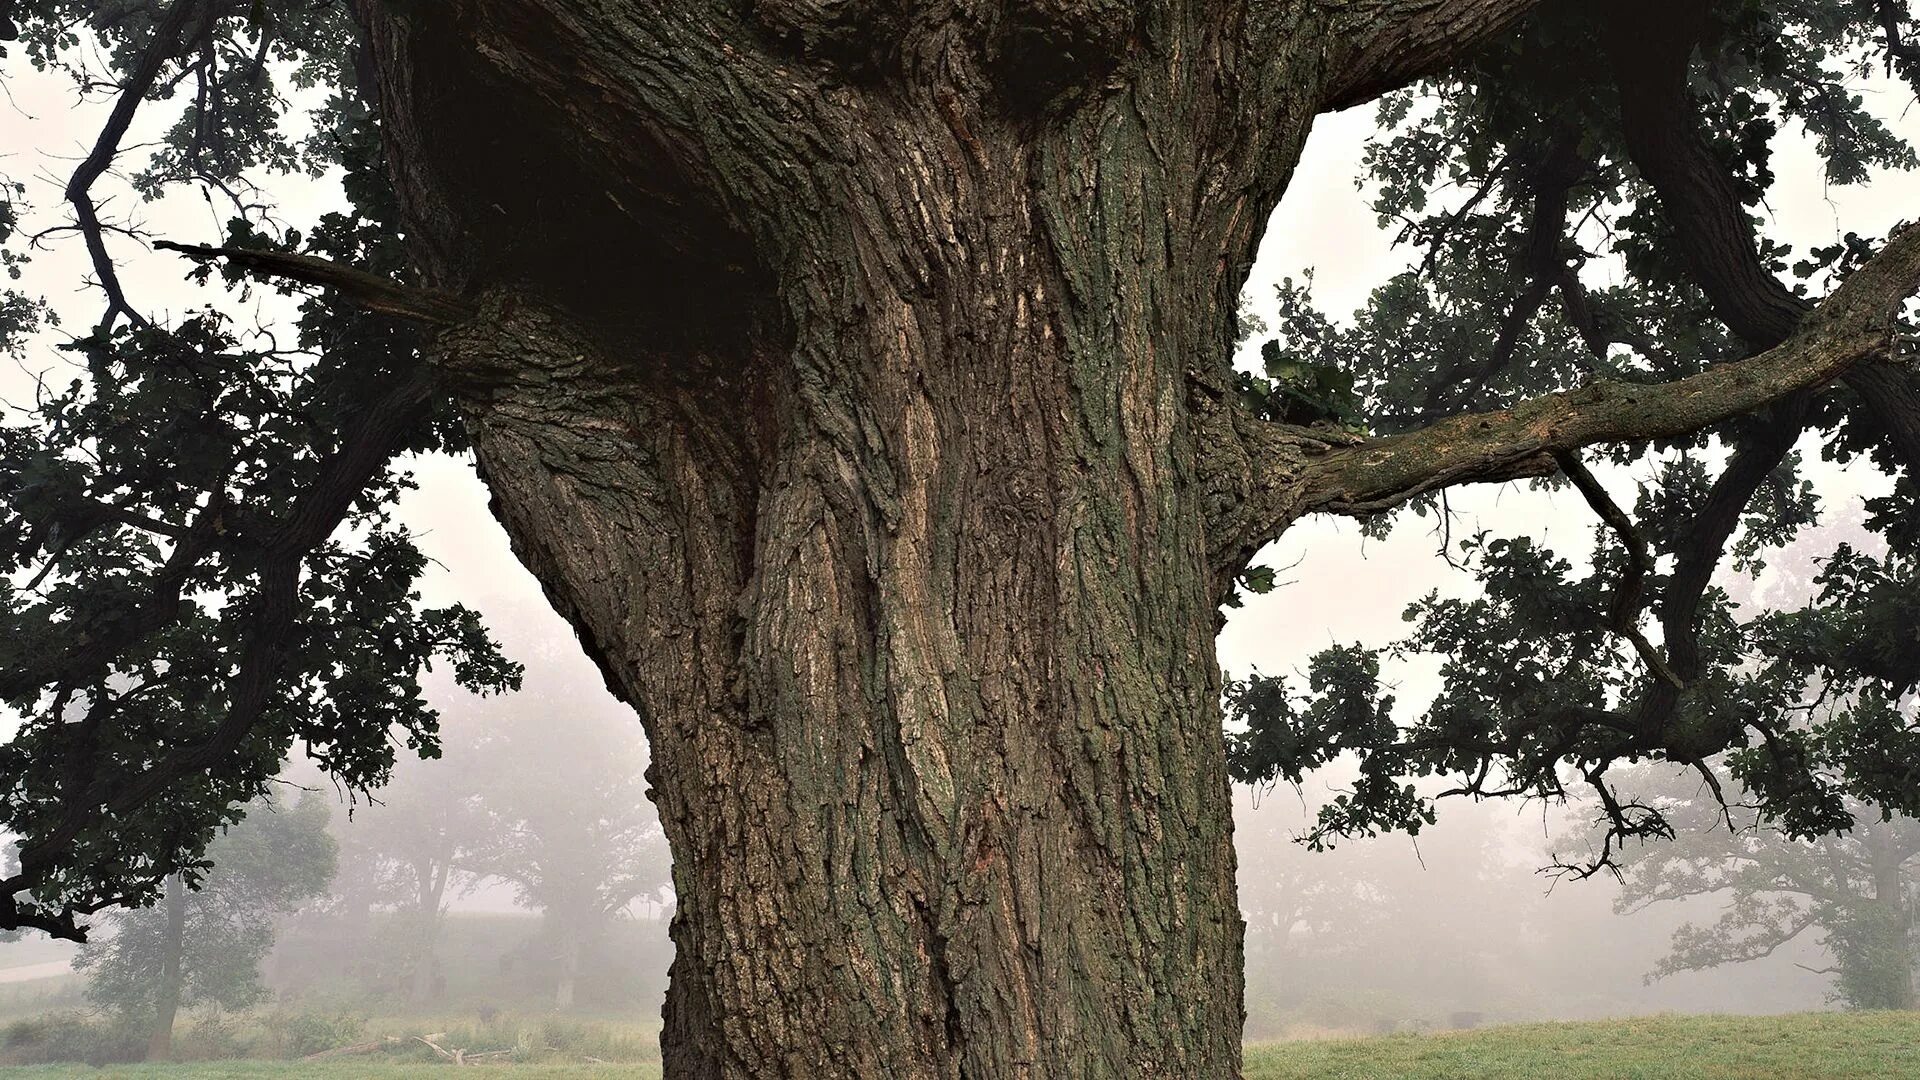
(295, 896)
(562, 821)
(1855, 895)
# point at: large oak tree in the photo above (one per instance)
(854, 375)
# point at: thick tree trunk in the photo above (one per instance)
(852, 375)
(932, 702)
(166, 997)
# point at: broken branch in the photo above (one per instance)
(370, 291)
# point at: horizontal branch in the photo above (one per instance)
(1857, 321)
(370, 291)
(1387, 44)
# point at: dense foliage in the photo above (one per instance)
(1584, 202)
(202, 574)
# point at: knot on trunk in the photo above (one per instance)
(852, 36)
(1043, 49)
(1036, 51)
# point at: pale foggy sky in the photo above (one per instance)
(1337, 588)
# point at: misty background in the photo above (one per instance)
(524, 868)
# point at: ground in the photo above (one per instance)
(1809, 1046)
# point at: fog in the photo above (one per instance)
(524, 870)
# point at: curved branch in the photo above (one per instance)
(1387, 44)
(170, 40)
(1857, 321)
(1711, 228)
(1651, 49)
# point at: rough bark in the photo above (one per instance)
(169, 986)
(853, 375)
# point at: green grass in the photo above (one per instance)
(1810, 1046)
(278, 1042)
(1807, 1046)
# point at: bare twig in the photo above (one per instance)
(1624, 618)
(169, 41)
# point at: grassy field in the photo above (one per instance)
(1809, 1046)
(1813, 1046)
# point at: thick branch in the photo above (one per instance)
(370, 291)
(1651, 46)
(1651, 51)
(1757, 454)
(1386, 44)
(1856, 322)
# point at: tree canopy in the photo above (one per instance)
(1587, 201)
(203, 573)
(202, 568)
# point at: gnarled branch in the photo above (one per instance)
(1390, 43)
(1857, 321)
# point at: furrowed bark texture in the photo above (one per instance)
(850, 374)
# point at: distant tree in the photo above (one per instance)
(1391, 929)
(203, 942)
(9, 865)
(410, 852)
(1856, 890)
(1297, 902)
(570, 828)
